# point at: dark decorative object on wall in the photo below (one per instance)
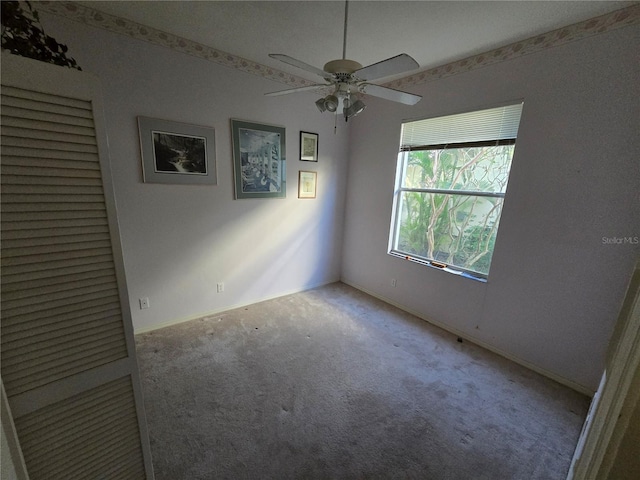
(22, 34)
(308, 146)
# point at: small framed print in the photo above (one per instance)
(308, 147)
(175, 152)
(307, 184)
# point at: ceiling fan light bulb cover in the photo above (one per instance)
(331, 103)
(320, 105)
(357, 107)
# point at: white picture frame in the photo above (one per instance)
(177, 153)
(307, 184)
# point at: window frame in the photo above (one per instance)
(399, 190)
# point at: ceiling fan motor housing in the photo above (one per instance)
(343, 66)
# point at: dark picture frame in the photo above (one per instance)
(308, 146)
(259, 160)
(177, 153)
(307, 184)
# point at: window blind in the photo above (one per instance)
(480, 126)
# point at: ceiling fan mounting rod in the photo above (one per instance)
(344, 41)
(350, 79)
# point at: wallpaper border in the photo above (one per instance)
(594, 26)
(617, 19)
(112, 23)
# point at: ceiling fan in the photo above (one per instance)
(349, 80)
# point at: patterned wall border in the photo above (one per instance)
(605, 23)
(95, 18)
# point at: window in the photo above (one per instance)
(451, 180)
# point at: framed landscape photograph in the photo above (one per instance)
(308, 146)
(307, 184)
(258, 160)
(175, 152)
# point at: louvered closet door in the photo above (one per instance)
(68, 360)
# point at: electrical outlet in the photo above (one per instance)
(144, 303)
(393, 282)
(220, 287)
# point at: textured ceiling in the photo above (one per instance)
(434, 33)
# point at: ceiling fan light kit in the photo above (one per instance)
(349, 80)
(354, 109)
(331, 103)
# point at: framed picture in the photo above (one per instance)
(307, 184)
(258, 160)
(175, 152)
(308, 147)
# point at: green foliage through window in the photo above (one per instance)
(449, 204)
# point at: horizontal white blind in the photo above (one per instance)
(91, 435)
(61, 312)
(484, 125)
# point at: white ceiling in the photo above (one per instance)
(434, 33)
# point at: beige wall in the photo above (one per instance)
(555, 286)
(179, 241)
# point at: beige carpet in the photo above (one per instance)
(334, 384)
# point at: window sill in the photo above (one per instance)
(438, 266)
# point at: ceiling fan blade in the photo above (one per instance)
(389, 94)
(391, 66)
(296, 90)
(301, 64)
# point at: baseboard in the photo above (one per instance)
(553, 376)
(196, 316)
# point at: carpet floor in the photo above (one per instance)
(335, 384)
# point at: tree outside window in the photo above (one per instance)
(450, 195)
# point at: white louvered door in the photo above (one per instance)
(67, 349)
